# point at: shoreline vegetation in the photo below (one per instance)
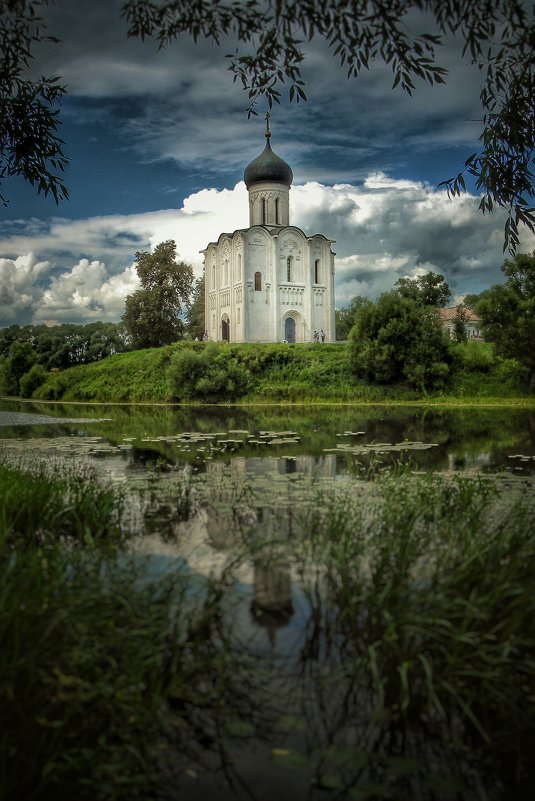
(194, 373)
(417, 624)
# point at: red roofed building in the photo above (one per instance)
(472, 322)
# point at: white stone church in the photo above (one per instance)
(269, 282)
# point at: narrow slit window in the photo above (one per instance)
(264, 211)
(289, 268)
(258, 282)
(317, 271)
(277, 219)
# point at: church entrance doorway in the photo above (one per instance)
(289, 329)
(225, 329)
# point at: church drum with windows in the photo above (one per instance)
(269, 282)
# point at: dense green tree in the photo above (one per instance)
(104, 339)
(508, 312)
(496, 36)
(8, 336)
(61, 346)
(396, 339)
(196, 324)
(345, 318)
(430, 289)
(21, 358)
(31, 380)
(344, 321)
(472, 299)
(29, 141)
(459, 324)
(153, 314)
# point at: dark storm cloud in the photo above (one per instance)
(182, 103)
(365, 160)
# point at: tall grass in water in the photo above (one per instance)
(425, 621)
(113, 679)
(413, 678)
(111, 683)
(43, 500)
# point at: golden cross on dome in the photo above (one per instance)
(268, 132)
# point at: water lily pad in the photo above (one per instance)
(286, 758)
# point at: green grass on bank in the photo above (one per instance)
(272, 373)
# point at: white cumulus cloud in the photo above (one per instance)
(383, 229)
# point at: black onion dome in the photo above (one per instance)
(268, 168)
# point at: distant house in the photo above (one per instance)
(472, 322)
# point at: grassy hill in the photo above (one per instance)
(195, 372)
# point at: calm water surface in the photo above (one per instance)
(201, 483)
(330, 440)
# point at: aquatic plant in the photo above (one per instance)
(112, 681)
(42, 500)
(421, 622)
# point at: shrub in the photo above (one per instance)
(214, 374)
(474, 355)
(399, 339)
(512, 372)
(31, 380)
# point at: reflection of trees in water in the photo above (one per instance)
(463, 432)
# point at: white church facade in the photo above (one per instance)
(269, 282)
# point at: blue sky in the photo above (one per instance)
(158, 143)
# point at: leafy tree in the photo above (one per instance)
(152, 314)
(31, 380)
(459, 324)
(213, 374)
(497, 37)
(345, 318)
(61, 346)
(8, 336)
(195, 318)
(471, 300)
(344, 321)
(104, 339)
(430, 289)
(21, 357)
(508, 312)
(29, 141)
(396, 339)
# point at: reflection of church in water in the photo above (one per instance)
(269, 526)
(269, 282)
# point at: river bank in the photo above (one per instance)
(271, 374)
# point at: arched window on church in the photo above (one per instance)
(226, 272)
(213, 276)
(264, 210)
(317, 271)
(289, 268)
(238, 267)
(258, 282)
(277, 215)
